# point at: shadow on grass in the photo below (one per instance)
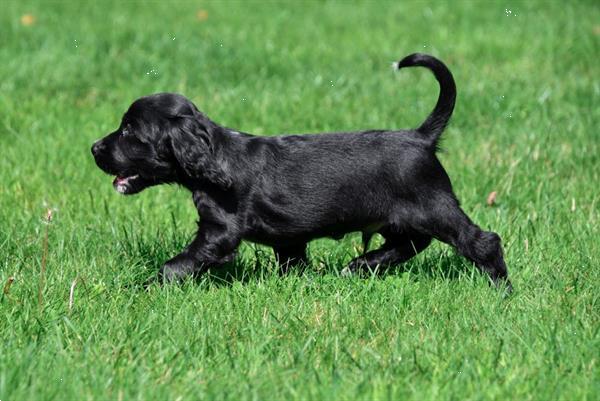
(257, 263)
(437, 265)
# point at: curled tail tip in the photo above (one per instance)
(411, 60)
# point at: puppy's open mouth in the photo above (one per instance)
(128, 185)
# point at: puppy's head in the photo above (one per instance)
(162, 138)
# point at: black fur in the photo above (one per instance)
(284, 191)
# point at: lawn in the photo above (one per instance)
(75, 320)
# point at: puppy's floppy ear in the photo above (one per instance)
(194, 150)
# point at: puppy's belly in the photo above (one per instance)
(273, 235)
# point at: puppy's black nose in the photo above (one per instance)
(97, 148)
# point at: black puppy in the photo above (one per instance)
(284, 191)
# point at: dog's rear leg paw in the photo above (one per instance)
(177, 269)
(504, 285)
(354, 268)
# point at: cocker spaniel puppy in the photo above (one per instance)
(284, 191)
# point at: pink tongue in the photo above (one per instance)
(119, 180)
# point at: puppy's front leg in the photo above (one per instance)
(213, 245)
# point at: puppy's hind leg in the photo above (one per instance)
(483, 248)
(398, 248)
(290, 255)
(366, 239)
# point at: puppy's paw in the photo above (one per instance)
(359, 268)
(177, 269)
(354, 268)
(505, 286)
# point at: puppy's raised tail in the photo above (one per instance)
(435, 123)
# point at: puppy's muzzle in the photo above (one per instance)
(98, 147)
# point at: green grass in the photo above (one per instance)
(526, 125)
